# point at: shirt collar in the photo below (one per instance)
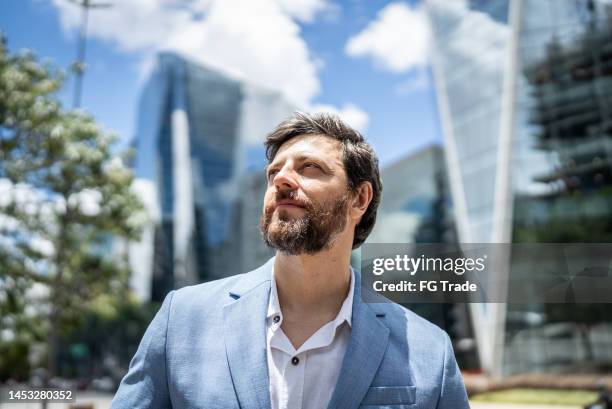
(345, 313)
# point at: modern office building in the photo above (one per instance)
(416, 207)
(254, 252)
(524, 92)
(199, 137)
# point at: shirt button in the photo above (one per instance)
(276, 319)
(295, 360)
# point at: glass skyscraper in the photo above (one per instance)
(525, 96)
(199, 137)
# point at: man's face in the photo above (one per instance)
(305, 206)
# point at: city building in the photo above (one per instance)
(254, 251)
(524, 91)
(199, 137)
(416, 207)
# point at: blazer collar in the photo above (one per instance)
(364, 353)
(252, 279)
(245, 337)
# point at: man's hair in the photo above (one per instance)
(360, 161)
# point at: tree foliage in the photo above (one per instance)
(66, 203)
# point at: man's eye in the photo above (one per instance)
(311, 165)
(272, 173)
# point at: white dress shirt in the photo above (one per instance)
(305, 378)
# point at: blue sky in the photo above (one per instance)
(365, 58)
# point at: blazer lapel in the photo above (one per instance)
(245, 337)
(364, 353)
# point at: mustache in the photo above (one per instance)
(292, 195)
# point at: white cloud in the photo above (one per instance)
(258, 41)
(352, 114)
(134, 24)
(397, 40)
(418, 82)
(476, 40)
(304, 10)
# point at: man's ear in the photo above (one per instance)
(360, 200)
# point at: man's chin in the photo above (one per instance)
(283, 243)
(281, 216)
(283, 229)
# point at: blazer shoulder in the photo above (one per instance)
(210, 287)
(213, 295)
(417, 329)
(212, 292)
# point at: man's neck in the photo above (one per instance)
(313, 284)
(311, 290)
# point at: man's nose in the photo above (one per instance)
(285, 178)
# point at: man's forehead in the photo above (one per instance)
(318, 145)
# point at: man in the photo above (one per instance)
(294, 333)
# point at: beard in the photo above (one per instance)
(309, 233)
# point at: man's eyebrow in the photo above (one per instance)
(268, 166)
(302, 158)
(320, 161)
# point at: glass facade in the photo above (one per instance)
(197, 133)
(253, 252)
(539, 93)
(470, 46)
(561, 172)
(416, 207)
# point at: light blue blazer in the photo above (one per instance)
(206, 348)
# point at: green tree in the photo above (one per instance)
(107, 339)
(65, 203)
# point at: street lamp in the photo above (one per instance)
(78, 67)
